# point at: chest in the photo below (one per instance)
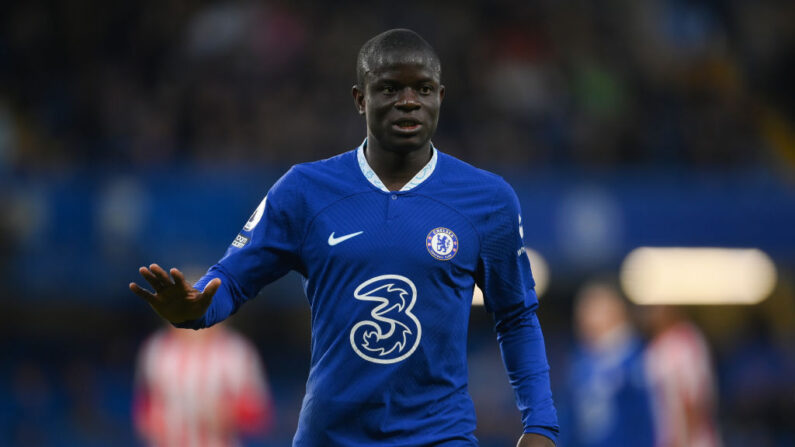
(398, 231)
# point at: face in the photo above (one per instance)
(597, 311)
(400, 101)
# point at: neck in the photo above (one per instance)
(396, 168)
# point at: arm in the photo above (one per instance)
(522, 347)
(228, 299)
(508, 289)
(264, 250)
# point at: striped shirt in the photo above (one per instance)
(679, 368)
(202, 388)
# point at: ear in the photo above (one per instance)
(358, 99)
(441, 93)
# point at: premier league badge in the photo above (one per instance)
(442, 244)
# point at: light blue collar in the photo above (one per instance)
(371, 176)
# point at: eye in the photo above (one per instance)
(426, 90)
(388, 89)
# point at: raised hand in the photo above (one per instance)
(174, 299)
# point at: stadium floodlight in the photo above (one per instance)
(704, 275)
(540, 273)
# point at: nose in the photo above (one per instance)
(407, 99)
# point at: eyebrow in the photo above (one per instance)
(386, 78)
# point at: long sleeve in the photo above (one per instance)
(505, 277)
(522, 346)
(226, 301)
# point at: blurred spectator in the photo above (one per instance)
(203, 387)
(607, 401)
(679, 365)
(540, 83)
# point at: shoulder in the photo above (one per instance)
(156, 340)
(455, 168)
(237, 345)
(475, 189)
(468, 178)
(152, 348)
(309, 186)
(327, 169)
(333, 173)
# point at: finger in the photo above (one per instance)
(179, 278)
(143, 293)
(150, 277)
(161, 275)
(211, 288)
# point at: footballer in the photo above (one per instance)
(390, 239)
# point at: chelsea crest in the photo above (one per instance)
(442, 243)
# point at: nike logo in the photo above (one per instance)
(336, 240)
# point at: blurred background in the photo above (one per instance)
(140, 132)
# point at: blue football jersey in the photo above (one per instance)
(608, 398)
(389, 277)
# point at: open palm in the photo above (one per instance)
(174, 298)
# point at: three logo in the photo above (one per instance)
(393, 332)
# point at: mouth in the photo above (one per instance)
(406, 125)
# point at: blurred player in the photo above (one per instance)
(390, 238)
(608, 399)
(203, 388)
(679, 365)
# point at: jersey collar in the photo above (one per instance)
(371, 176)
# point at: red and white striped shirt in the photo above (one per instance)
(200, 388)
(679, 368)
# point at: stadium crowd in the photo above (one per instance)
(532, 84)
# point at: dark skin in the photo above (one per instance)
(400, 100)
(175, 299)
(410, 91)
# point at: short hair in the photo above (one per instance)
(398, 40)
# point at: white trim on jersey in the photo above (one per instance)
(372, 177)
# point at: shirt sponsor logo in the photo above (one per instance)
(256, 216)
(240, 241)
(392, 333)
(336, 240)
(442, 243)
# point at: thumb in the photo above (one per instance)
(211, 288)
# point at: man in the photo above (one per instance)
(608, 398)
(390, 239)
(200, 388)
(678, 363)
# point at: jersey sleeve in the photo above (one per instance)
(265, 249)
(508, 287)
